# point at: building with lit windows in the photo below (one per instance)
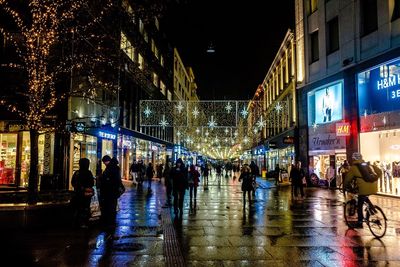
(181, 79)
(348, 69)
(275, 143)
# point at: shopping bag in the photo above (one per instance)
(95, 206)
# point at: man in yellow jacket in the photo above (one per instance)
(364, 188)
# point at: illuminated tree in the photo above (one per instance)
(38, 31)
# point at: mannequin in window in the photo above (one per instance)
(327, 104)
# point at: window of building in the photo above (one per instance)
(146, 36)
(314, 46)
(127, 7)
(141, 62)
(127, 47)
(396, 10)
(162, 60)
(369, 16)
(157, 23)
(141, 26)
(169, 96)
(155, 79)
(333, 35)
(313, 6)
(163, 88)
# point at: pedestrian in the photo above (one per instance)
(343, 170)
(247, 184)
(141, 172)
(83, 182)
(134, 171)
(179, 186)
(109, 184)
(364, 188)
(296, 177)
(160, 171)
(150, 175)
(255, 171)
(193, 181)
(277, 173)
(168, 183)
(205, 175)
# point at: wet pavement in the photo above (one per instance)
(273, 231)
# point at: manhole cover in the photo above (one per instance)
(128, 246)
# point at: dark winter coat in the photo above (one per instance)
(254, 169)
(296, 176)
(82, 179)
(195, 177)
(247, 184)
(179, 178)
(110, 180)
(150, 172)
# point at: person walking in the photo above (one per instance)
(83, 182)
(109, 184)
(364, 188)
(179, 186)
(296, 178)
(134, 171)
(205, 175)
(193, 181)
(168, 183)
(150, 175)
(247, 184)
(255, 171)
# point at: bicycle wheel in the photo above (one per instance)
(376, 221)
(350, 213)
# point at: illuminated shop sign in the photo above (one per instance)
(342, 129)
(107, 135)
(325, 104)
(379, 88)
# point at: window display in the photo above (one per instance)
(8, 158)
(85, 146)
(383, 150)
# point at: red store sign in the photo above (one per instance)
(342, 129)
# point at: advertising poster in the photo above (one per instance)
(379, 89)
(326, 104)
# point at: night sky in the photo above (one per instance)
(246, 35)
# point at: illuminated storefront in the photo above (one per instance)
(326, 139)
(378, 106)
(15, 151)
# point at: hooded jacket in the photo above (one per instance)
(364, 188)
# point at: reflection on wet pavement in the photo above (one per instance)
(215, 231)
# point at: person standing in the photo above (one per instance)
(277, 173)
(205, 175)
(343, 170)
(193, 180)
(179, 186)
(247, 184)
(109, 184)
(83, 182)
(150, 175)
(296, 177)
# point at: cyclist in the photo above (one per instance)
(364, 188)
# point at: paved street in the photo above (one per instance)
(217, 232)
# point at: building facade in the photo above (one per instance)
(348, 55)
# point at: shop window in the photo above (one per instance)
(396, 10)
(333, 35)
(314, 46)
(369, 16)
(8, 158)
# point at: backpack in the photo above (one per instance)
(368, 173)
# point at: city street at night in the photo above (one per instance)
(199, 133)
(274, 231)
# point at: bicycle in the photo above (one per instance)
(374, 216)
